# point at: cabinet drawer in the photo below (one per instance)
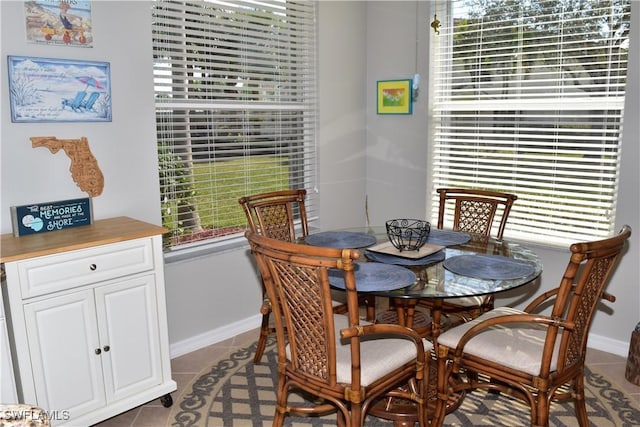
(42, 275)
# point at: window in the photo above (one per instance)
(235, 94)
(528, 99)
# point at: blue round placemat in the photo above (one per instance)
(398, 260)
(375, 276)
(340, 239)
(447, 237)
(493, 267)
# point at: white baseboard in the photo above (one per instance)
(602, 343)
(598, 342)
(214, 336)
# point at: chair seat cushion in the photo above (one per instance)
(378, 357)
(517, 345)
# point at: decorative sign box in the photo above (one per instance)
(50, 216)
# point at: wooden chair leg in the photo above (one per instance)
(265, 330)
(579, 402)
(281, 401)
(540, 415)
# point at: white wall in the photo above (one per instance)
(216, 296)
(397, 146)
(124, 148)
(343, 141)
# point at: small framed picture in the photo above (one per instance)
(59, 90)
(394, 97)
(59, 22)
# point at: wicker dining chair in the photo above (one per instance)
(534, 357)
(345, 363)
(276, 214)
(273, 214)
(474, 211)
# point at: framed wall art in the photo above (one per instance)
(394, 97)
(59, 90)
(59, 22)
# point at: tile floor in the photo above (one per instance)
(186, 367)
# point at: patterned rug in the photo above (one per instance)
(236, 393)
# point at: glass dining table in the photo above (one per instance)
(450, 265)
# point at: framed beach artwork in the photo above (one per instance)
(59, 90)
(394, 97)
(59, 22)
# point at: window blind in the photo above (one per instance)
(529, 99)
(236, 110)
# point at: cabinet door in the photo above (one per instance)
(128, 324)
(64, 347)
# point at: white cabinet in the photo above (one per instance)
(89, 324)
(7, 382)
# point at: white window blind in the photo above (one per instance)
(236, 110)
(528, 99)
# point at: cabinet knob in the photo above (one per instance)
(97, 351)
(93, 267)
(106, 348)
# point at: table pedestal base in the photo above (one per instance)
(404, 413)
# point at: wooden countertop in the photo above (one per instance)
(101, 232)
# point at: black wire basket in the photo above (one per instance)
(408, 234)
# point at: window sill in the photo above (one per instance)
(206, 248)
(232, 242)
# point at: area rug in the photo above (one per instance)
(234, 392)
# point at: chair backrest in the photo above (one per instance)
(273, 214)
(475, 210)
(296, 277)
(580, 291)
